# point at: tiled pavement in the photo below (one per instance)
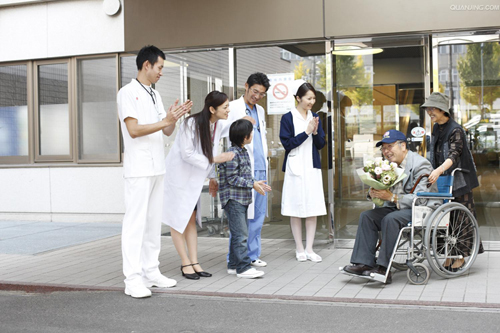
(97, 265)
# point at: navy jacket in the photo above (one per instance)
(290, 141)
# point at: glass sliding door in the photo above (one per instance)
(192, 75)
(380, 85)
(305, 61)
(466, 67)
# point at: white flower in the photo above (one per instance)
(386, 167)
(378, 170)
(394, 165)
(378, 161)
(369, 164)
(386, 180)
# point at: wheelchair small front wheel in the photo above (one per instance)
(421, 277)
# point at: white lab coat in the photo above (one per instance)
(187, 168)
(237, 111)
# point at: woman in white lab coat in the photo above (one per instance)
(190, 161)
(302, 137)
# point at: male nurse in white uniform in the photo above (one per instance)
(246, 107)
(143, 119)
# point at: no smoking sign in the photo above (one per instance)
(280, 91)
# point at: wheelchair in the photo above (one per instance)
(439, 236)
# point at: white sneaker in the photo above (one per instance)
(161, 282)
(313, 257)
(258, 263)
(137, 291)
(250, 273)
(231, 271)
(301, 256)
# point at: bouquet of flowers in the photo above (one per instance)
(381, 175)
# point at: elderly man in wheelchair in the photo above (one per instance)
(395, 214)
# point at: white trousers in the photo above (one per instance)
(141, 229)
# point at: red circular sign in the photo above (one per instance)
(280, 91)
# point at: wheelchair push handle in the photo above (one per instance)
(418, 181)
(459, 169)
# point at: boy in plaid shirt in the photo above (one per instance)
(235, 192)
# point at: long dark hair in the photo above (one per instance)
(202, 122)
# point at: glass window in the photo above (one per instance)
(377, 92)
(443, 75)
(128, 69)
(97, 117)
(192, 75)
(53, 111)
(475, 84)
(13, 113)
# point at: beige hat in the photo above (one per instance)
(439, 101)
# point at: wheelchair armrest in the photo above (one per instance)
(433, 194)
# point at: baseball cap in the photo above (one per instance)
(391, 136)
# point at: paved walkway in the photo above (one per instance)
(97, 265)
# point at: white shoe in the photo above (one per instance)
(313, 257)
(251, 273)
(161, 282)
(137, 291)
(258, 263)
(231, 271)
(301, 256)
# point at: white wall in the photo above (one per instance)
(93, 194)
(59, 29)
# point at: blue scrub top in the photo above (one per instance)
(258, 148)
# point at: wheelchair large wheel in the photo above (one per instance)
(452, 233)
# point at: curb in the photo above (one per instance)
(50, 288)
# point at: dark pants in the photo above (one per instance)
(387, 220)
(238, 248)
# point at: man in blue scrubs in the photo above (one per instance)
(246, 107)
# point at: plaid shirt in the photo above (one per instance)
(235, 178)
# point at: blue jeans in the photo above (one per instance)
(238, 250)
(255, 224)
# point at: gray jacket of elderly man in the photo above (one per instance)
(388, 219)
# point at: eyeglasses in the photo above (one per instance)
(429, 110)
(256, 92)
(388, 147)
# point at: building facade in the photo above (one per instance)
(62, 63)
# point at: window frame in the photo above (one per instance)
(25, 159)
(118, 157)
(71, 112)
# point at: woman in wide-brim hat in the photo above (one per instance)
(448, 150)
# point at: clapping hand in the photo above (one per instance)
(316, 120)
(175, 112)
(311, 126)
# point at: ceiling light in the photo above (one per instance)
(347, 50)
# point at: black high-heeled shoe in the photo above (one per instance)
(190, 276)
(202, 273)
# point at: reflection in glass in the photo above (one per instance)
(302, 61)
(13, 111)
(98, 129)
(474, 89)
(376, 93)
(53, 109)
